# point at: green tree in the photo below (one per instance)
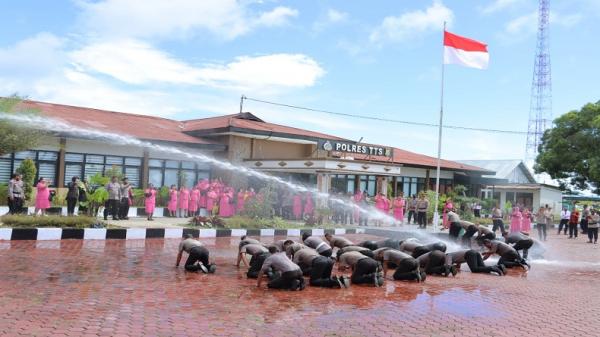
(13, 136)
(27, 170)
(570, 151)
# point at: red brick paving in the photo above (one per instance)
(131, 288)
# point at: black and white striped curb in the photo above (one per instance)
(147, 233)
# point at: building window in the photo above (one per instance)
(445, 185)
(86, 165)
(343, 183)
(173, 172)
(368, 183)
(45, 163)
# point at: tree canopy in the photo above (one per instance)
(570, 151)
(14, 137)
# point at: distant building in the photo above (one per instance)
(514, 182)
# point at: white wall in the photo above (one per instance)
(552, 197)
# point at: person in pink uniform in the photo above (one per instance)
(241, 200)
(150, 201)
(380, 205)
(184, 201)
(42, 198)
(357, 199)
(226, 208)
(309, 206)
(526, 221)
(448, 206)
(399, 208)
(515, 220)
(297, 206)
(194, 197)
(203, 187)
(172, 206)
(211, 200)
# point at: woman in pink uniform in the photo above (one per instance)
(194, 197)
(515, 220)
(448, 206)
(380, 205)
(203, 186)
(526, 221)
(240, 201)
(184, 201)
(226, 204)
(357, 199)
(211, 199)
(172, 206)
(42, 198)
(297, 206)
(399, 208)
(150, 201)
(309, 206)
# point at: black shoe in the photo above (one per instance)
(346, 281)
(453, 270)
(380, 281)
(375, 280)
(203, 267)
(212, 268)
(295, 285)
(502, 268)
(423, 276)
(339, 281)
(496, 270)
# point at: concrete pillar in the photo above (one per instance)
(61, 163)
(145, 169)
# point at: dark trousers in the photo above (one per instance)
(196, 254)
(256, 263)
(71, 203)
(124, 208)
(592, 234)
(421, 250)
(455, 228)
(412, 214)
(565, 223)
(286, 280)
(437, 263)
(475, 262)
(406, 270)
(17, 205)
(320, 273)
(466, 238)
(542, 229)
(364, 271)
(524, 245)
(510, 259)
(10, 206)
(584, 226)
(477, 213)
(422, 219)
(498, 224)
(111, 207)
(573, 230)
(326, 253)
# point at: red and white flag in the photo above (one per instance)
(465, 52)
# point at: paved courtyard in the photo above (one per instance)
(131, 288)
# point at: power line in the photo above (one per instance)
(380, 119)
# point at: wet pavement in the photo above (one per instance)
(131, 288)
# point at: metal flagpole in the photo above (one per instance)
(436, 215)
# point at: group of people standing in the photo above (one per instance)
(589, 223)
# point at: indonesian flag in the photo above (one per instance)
(465, 52)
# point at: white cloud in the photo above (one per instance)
(498, 5)
(24, 59)
(411, 24)
(526, 25)
(335, 16)
(138, 63)
(226, 19)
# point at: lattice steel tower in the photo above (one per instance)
(540, 110)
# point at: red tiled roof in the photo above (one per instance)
(249, 124)
(139, 126)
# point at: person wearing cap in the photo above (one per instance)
(258, 255)
(509, 257)
(338, 241)
(455, 225)
(251, 247)
(198, 255)
(319, 269)
(470, 230)
(407, 267)
(318, 244)
(287, 274)
(290, 248)
(485, 233)
(125, 193)
(365, 270)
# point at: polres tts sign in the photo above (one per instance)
(365, 149)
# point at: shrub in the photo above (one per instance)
(23, 221)
(3, 194)
(163, 199)
(207, 221)
(27, 170)
(138, 197)
(261, 207)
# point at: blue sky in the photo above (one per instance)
(189, 59)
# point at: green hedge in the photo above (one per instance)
(275, 222)
(24, 221)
